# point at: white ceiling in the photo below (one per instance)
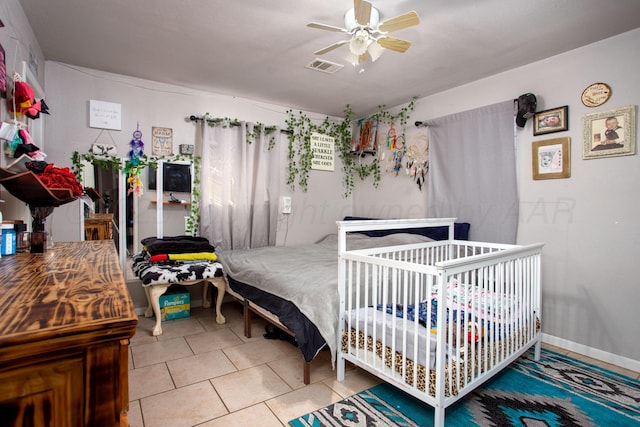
(258, 49)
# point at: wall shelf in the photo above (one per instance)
(172, 203)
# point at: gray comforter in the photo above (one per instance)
(306, 275)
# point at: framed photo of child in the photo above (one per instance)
(609, 133)
(551, 158)
(549, 121)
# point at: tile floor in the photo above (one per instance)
(199, 373)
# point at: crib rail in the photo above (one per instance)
(437, 319)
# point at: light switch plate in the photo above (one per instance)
(286, 205)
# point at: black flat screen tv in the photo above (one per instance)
(176, 177)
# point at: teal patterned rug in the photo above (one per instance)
(555, 391)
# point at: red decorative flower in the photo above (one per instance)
(54, 177)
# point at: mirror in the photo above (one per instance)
(109, 213)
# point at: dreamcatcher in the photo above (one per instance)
(418, 158)
(395, 145)
(133, 168)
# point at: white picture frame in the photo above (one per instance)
(598, 142)
(105, 115)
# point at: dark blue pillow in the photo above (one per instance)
(460, 230)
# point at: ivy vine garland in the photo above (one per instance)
(300, 154)
(131, 169)
(299, 151)
(252, 134)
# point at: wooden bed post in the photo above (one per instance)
(307, 373)
(247, 318)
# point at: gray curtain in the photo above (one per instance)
(472, 171)
(239, 204)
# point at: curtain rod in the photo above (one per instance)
(216, 120)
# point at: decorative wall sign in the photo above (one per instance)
(323, 148)
(551, 158)
(596, 94)
(104, 150)
(161, 141)
(105, 115)
(609, 133)
(550, 121)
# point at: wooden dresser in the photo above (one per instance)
(66, 318)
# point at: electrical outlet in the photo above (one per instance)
(286, 205)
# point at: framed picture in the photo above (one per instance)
(551, 158)
(105, 115)
(161, 141)
(186, 148)
(609, 133)
(549, 121)
(367, 135)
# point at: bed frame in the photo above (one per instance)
(493, 300)
(249, 308)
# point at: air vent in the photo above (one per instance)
(324, 66)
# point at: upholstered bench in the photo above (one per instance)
(156, 278)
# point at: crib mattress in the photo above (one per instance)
(396, 331)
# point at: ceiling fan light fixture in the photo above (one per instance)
(369, 37)
(360, 42)
(352, 59)
(375, 51)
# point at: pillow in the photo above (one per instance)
(460, 230)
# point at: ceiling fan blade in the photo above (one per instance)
(362, 11)
(393, 43)
(326, 27)
(331, 47)
(405, 20)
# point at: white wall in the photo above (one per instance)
(69, 90)
(588, 222)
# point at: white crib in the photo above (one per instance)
(492, 294)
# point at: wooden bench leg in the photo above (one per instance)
(153, 294)
(205, 294)
(148, 312)
(221, 285)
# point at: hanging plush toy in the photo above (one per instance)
(24, 102)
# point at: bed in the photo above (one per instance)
(436, 319)
(296, 287)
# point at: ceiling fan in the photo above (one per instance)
(368, 34)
